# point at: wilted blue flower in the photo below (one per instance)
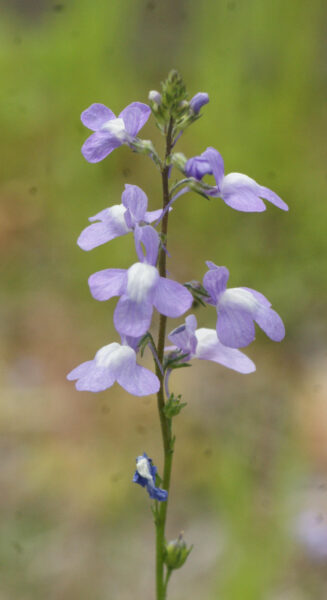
(141, 288)
(115, 362)
(145, 475)
(238, 308)
(237, 190)
(111, 131)
(118, 219)
(199, 100)
(204, 344)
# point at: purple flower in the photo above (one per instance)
(236, 190)
(111, 363)
(199, 100)
(238, 308)
(203, 344)
(119, 219)
(141, 288)
(145, 475)
(111, 131)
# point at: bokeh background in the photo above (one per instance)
(249, 487)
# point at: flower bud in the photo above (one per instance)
(199, 100)
(184, 104)
(179, 160)
(176, 553)
(155, 96)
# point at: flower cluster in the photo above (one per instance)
(144, 287)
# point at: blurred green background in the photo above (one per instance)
(251, 452)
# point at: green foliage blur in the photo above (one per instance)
(251, 451)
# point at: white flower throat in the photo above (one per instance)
(116, 127)
(238, 298)
(117, 214)
(114, 355)
(141, 279)
(142, 467)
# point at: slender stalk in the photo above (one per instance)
(168, 574)
(165, 423)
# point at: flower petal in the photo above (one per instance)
(135, 200)
(156, 493)
(235, 327)
(184, 336)
(172, 298)
(244, 201)
(81, 371)
(241, 193)
(135, 115)
(96, 115)
(131, 317)
(269, 195)
(113, 225)
(139, 381)
(107, 283)
(94, 235)
(152, 215)
(260, 297)
(216, 162)
(215, 280)
(191, 323)
(100, 216)
(99, 145)
(197, 167)
(271, 323)
(97, 379)
(210, 348)
(137, 478)
(149, 238)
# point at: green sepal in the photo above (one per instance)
(198, 292)
(173, 360)
(176, 553)
(144, 341)
(146, 147)
(173, 406)
(159, 479)
(179, 160)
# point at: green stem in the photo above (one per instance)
(168, 574)
(180, 183)
(165, 423)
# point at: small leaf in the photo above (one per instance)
(173, 406)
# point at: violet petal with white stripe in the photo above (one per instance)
(238, 309)
(119, 219)
(203, 344)
(111, 131)
(115, 362)
(237, 190)
(140, 288)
